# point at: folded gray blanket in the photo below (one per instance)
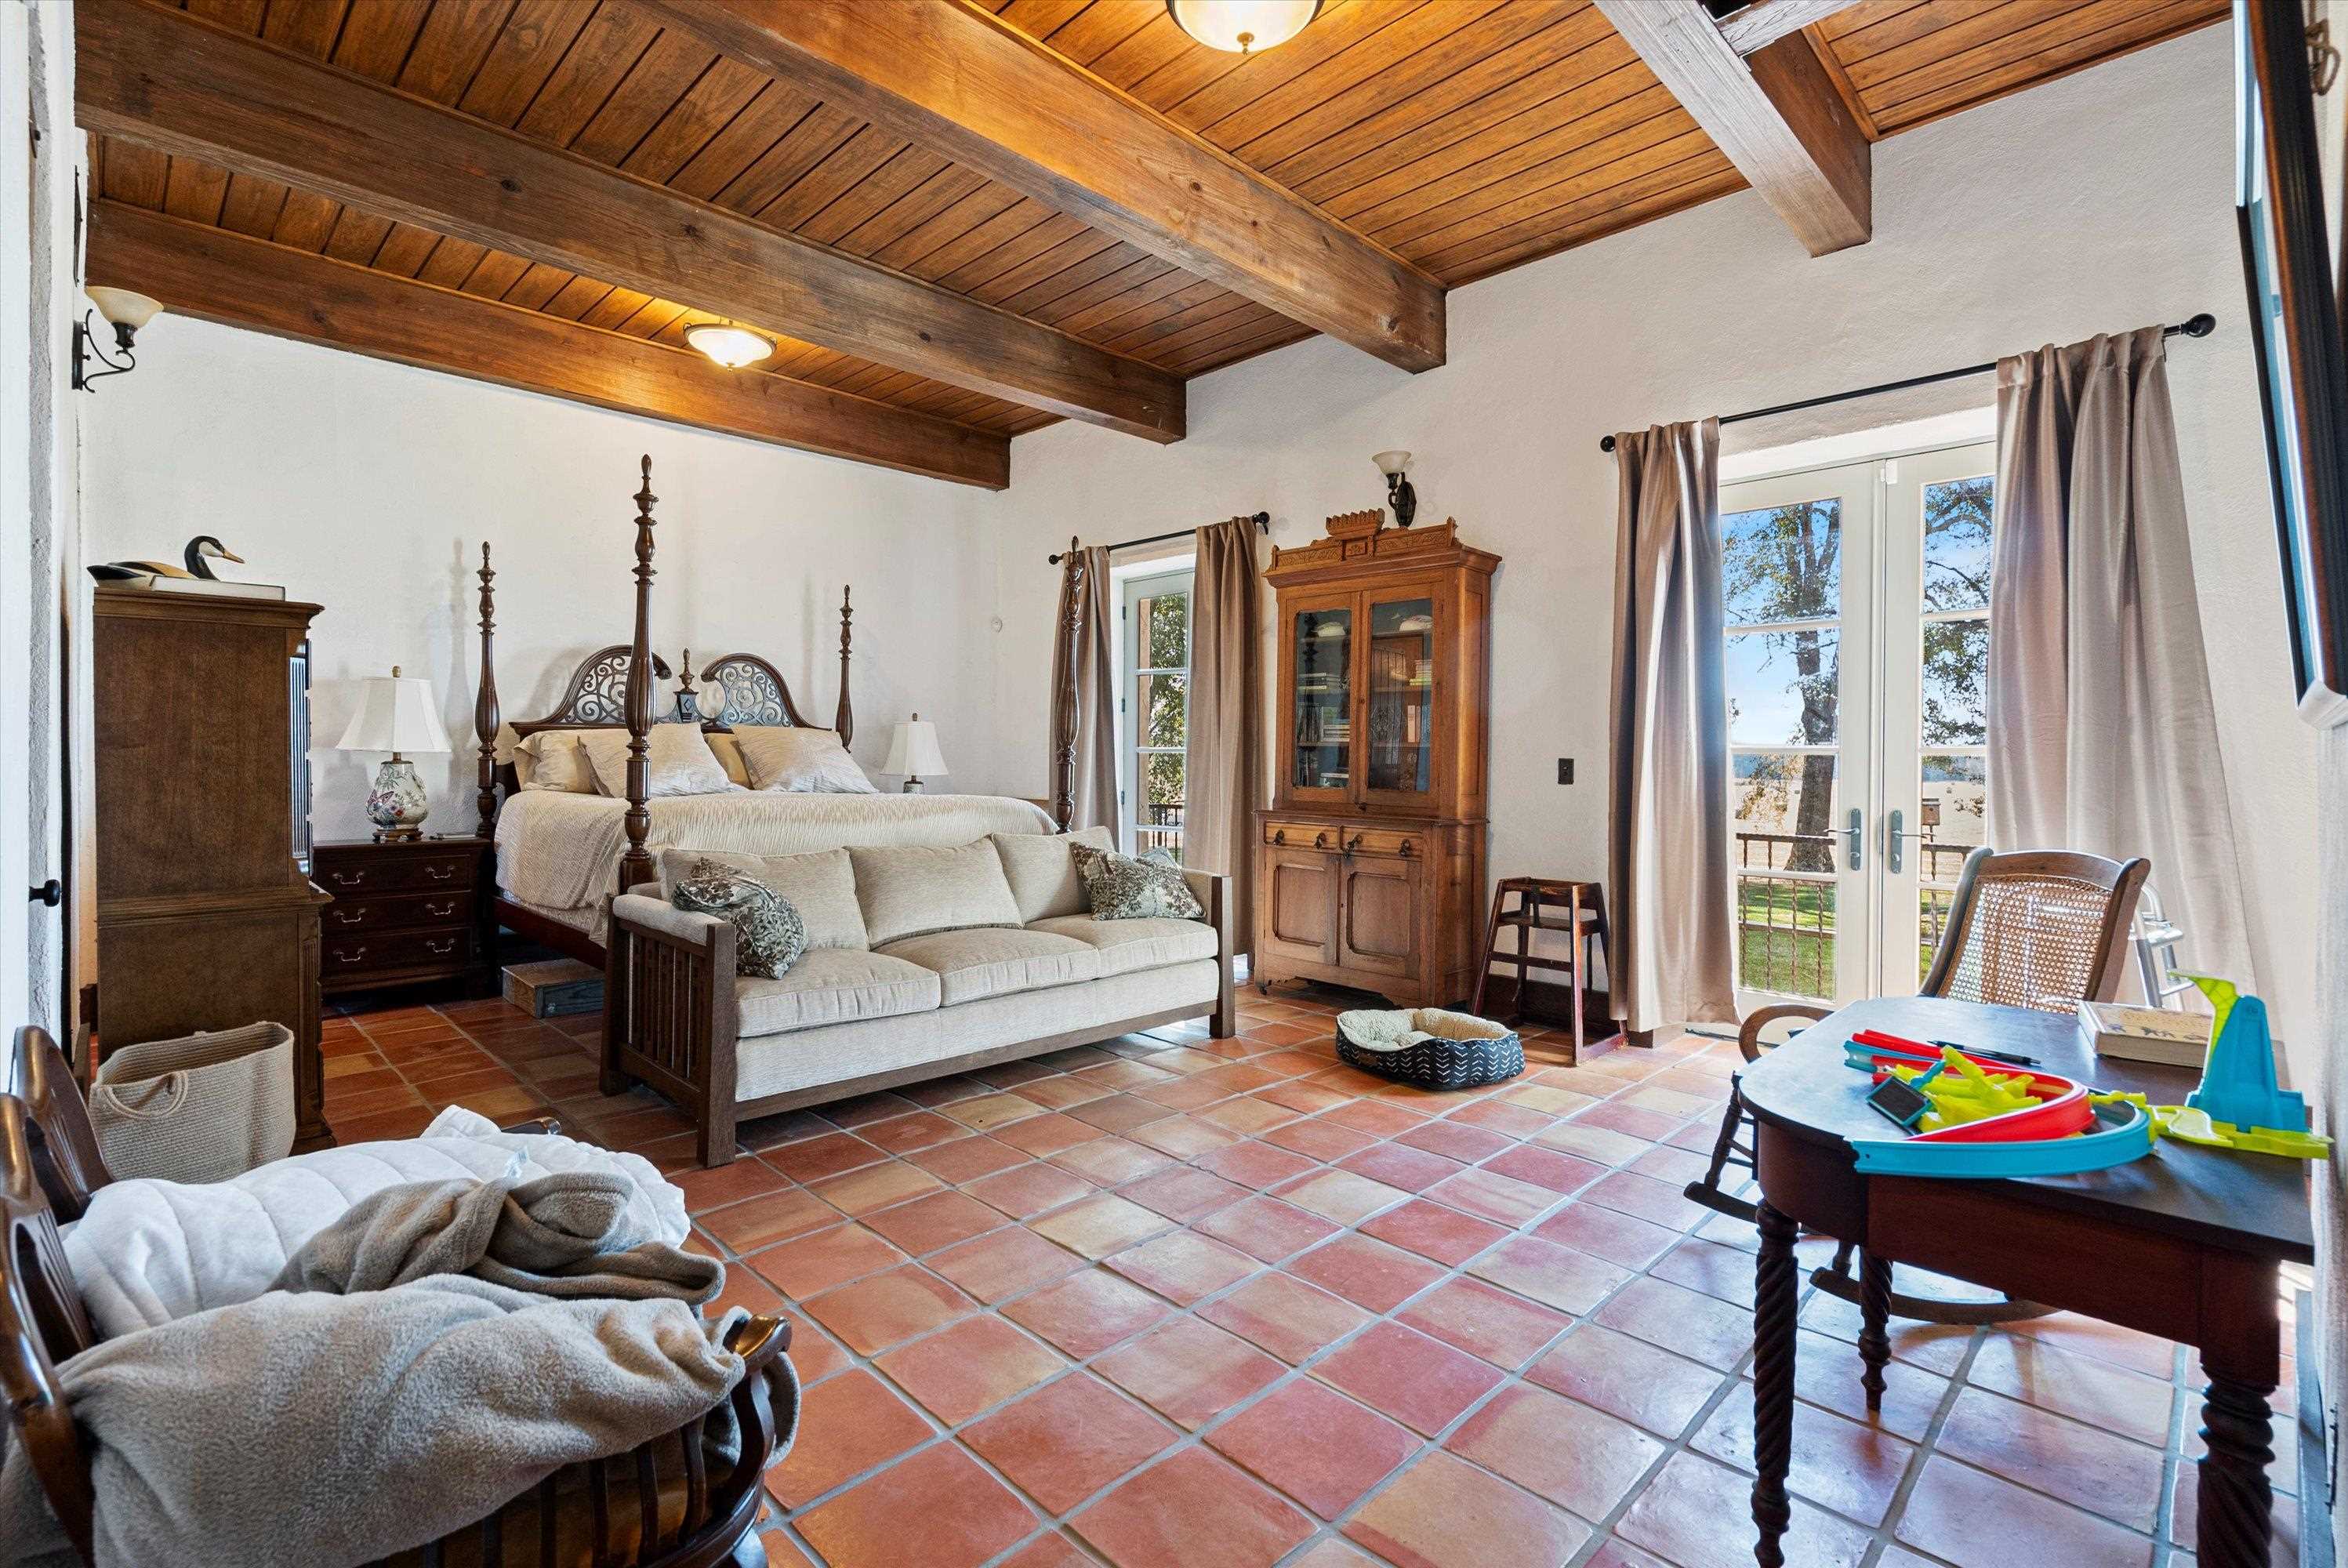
(571, 1234)
(315, 1428)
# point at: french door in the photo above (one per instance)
(1153, 711)
(1857, 603)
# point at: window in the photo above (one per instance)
(1153, 712)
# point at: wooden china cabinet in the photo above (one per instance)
(1370, 860)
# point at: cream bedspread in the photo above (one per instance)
(560, 852)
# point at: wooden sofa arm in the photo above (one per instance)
(669, 1017)
(1213, 891)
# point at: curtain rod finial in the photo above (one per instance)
(2200, 326)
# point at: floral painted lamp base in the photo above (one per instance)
(397, 805)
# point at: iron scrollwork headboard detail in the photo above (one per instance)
(751, 690)
(598, 692)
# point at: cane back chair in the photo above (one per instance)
(2034, 928)
(663, 1504)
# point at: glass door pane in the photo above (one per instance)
(1320, 721)
(1155, 710)
(1401, 682)
(1797, 570)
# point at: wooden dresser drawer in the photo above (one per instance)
(419, 872)
(384, 952)
(398, 912)
(1336, 836)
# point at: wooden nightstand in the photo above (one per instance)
(403, 912)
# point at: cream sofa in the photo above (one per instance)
(921, 962)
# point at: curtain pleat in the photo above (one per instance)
(1083, 695)
(1669, 959)
(1222, 767)
(2101, 732)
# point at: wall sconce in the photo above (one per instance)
(1242, 27)
(128, 312)
(1399, 495)
(728, 344)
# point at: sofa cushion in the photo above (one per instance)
(998, 960)
(1121, 887)
(1124, 945)
(908, 892)
(834, 986)
(821, 886)
(768, 935)
(1043, 873)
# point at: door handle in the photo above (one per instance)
(49, 894)
(1892, 844)
(1856, 834)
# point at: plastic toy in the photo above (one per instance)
(1989, 1121)
(2239, 1105)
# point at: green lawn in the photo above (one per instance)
(1786, 936)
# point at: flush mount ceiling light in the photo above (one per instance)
(1242, 27)
(730, 346)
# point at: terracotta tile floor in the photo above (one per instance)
(1178, 1301)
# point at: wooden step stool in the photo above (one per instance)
(1545, 904)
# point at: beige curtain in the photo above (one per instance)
(1222, 766)
(1083, 695)
(1668, 960)
(2101, 733)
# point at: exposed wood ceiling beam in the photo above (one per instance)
(217, 274)
(950, 76)
(1764, 22)
(178, 84)
(1776, 114)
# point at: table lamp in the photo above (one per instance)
(397, 714)
(913, 750)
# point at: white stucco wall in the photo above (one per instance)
(367, 487)
(2099, 203)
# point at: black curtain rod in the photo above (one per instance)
(1262, 519)
(2201, 325)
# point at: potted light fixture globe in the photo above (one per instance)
(1242, 27)
(729, 344)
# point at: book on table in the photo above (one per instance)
(2144, 1033)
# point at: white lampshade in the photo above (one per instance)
(124, 308)
(1242, 27)
(1391, 463)
(913, 750)
(397, 714)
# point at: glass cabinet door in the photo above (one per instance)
(1321, 719)
(1400, 677)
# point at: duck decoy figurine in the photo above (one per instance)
(201, 551)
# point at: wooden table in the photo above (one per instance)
(2184, 1243)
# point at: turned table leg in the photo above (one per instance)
(1874, 1321)
(1774, 1307)
(2236, 1524)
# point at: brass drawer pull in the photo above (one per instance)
(1320, 840)
(440, 874)
(440, 949)
(1356, 845)
(347, 917)
(1404, 850)
(349, 954)
(346, 879)
(443, 910)
(1280, 835)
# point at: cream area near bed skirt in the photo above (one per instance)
(558, 852)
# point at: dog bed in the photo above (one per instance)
(1429, 1046)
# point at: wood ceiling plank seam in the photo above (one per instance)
(193, 190)
(868, 148)
(1624, 97)
(138, 175)
(1158, 43)
(538, 283)
(1867, 13)
(614, 308)
(863, 381)
(1075, 250)
(940, 193)
(1038, 18)
(1993, 28)
(495, 273)
(307, 26)
(892, 387)
(707, 111)
(1366, 62)
(764, 122)
(441, 69)
(1121, 284)
(649, 318)
(1210, 338)
(1662, 169)
(388, 37)
(2142, 30)
(1268, 343)
(355, 237)
(1095, 268)
(252, 205)
(576, 298)
(1245, 312)
(1094, 318)
(405, 251)
(1695, 193)
(1568, 152)
(1022, 216)
(1156, 309)
(1145, 341)
(599, 60)
(305, 221)
(908, 171)
(1495, 74)
(1100, 28)
(1056, 229)
(661, 77)
(508, 79)
(671, 332)
(1191, 71)
(1229, 352)
(1565, 195)
(913, 248)
(1906, 27)
(244, 15)
(819, 134)
(1336, 29)
(451, 262)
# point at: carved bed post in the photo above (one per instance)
(486, 717)
(636, 864)
(1065, 723)
(843, 719)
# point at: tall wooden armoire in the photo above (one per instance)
(1370, 860)
(206, 916)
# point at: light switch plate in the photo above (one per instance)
(1565, 769)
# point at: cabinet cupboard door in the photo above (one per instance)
(1378, 915)
(1402, 664)
(1300, 905)
(1317, 661)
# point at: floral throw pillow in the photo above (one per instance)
(768, 935)
(1123, 888)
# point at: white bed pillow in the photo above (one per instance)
(551, 759)
(148, 1251)
(1043, 872)
(679, 759)
(787, 757)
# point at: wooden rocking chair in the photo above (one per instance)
(656, 1506)
(2036, 928)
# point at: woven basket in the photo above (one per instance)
(203, 1108)
(1429, 1046)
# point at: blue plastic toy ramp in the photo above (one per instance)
(2239, 1084)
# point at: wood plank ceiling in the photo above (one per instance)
(1463, 136)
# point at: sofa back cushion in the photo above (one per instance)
(908, 891)
(820, 886)
(1043, 873)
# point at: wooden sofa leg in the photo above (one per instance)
(714, 1144)
(610, 1079)
(1224, 1021)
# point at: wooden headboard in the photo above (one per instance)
(614, 687)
